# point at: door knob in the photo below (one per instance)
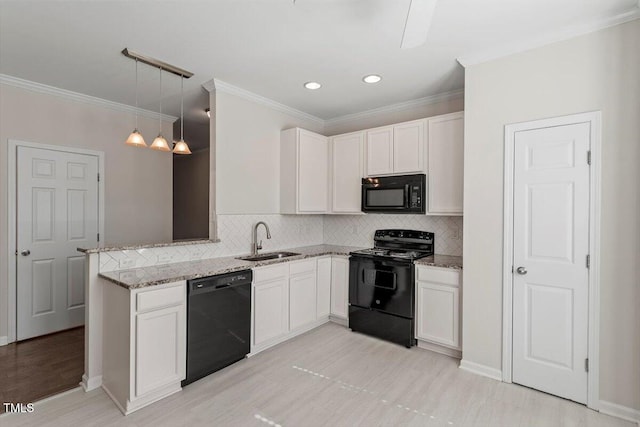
(521, 270)
(26, 252)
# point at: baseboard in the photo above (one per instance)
(440, 349)
(478, 369)
(303, 330)
(339, 320)
(619, 411)
(92, 383)
(4, 341)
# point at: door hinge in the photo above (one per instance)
(98, 177)
(589, 157)
(98, 237)
(586, 365)
(588, 261)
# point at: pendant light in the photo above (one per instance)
(160, 143)
(181, 147)
(136, 139)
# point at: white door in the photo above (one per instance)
(408, 147)
(323, 283)
(313, 173)
(551, 243)
(347, 172)
(57, 200)
(302, 300)
(270, 310)
(380, 151)
(340, 287)
(445, 152)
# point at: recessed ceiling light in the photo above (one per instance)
(312, 85)
(371, 78)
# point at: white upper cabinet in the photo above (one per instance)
(380, 151)
(304, 172)
(408, 147)
(445, 153)
(397, 149)
(347, 158)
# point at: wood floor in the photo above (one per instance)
(330, 377)
(34, 369)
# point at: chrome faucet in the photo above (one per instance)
(255, 247)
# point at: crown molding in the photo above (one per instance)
(80, 97)
(400, 106)
(548, 38)
(221, 86)
(209, 85)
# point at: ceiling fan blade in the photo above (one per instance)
(418, 22)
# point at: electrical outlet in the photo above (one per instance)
(127, 276)
(127, 263)
(164, 258)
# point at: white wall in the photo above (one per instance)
(598, 71)
(247, 141)
(138, 182)
(367, 121)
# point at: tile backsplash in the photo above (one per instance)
(357, 230)
(235, 234)
(289, 231)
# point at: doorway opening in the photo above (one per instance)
(55, 206)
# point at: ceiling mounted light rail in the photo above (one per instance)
(159, 143)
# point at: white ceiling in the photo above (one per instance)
(269, 47)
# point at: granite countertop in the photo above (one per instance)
(156, 275)
(148, 276)
(112, 247)
(445, 261)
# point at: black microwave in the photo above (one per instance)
(394, 194)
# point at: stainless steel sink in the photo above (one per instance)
(268, 256)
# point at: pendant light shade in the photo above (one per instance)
(181, 147)
(136, 139)
(160, 143)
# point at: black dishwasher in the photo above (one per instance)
(218, 322)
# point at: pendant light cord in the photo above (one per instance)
(136, 93)
(160, 123)
(181, 108)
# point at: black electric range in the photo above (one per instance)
(382, 284)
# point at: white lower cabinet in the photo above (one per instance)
(270, 310)
(145, 343)
(438, 309)
(293, 297)
(302, 296)
(323, 288)
(340, 287)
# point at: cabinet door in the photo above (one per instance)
(313, 173)
(445, 164)
(380, 151)
(323, 307)
(339, 287)
(347, 172)
(160, 348)
(270, 310)
(438, 314)
(408, 147)
(302, 300)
